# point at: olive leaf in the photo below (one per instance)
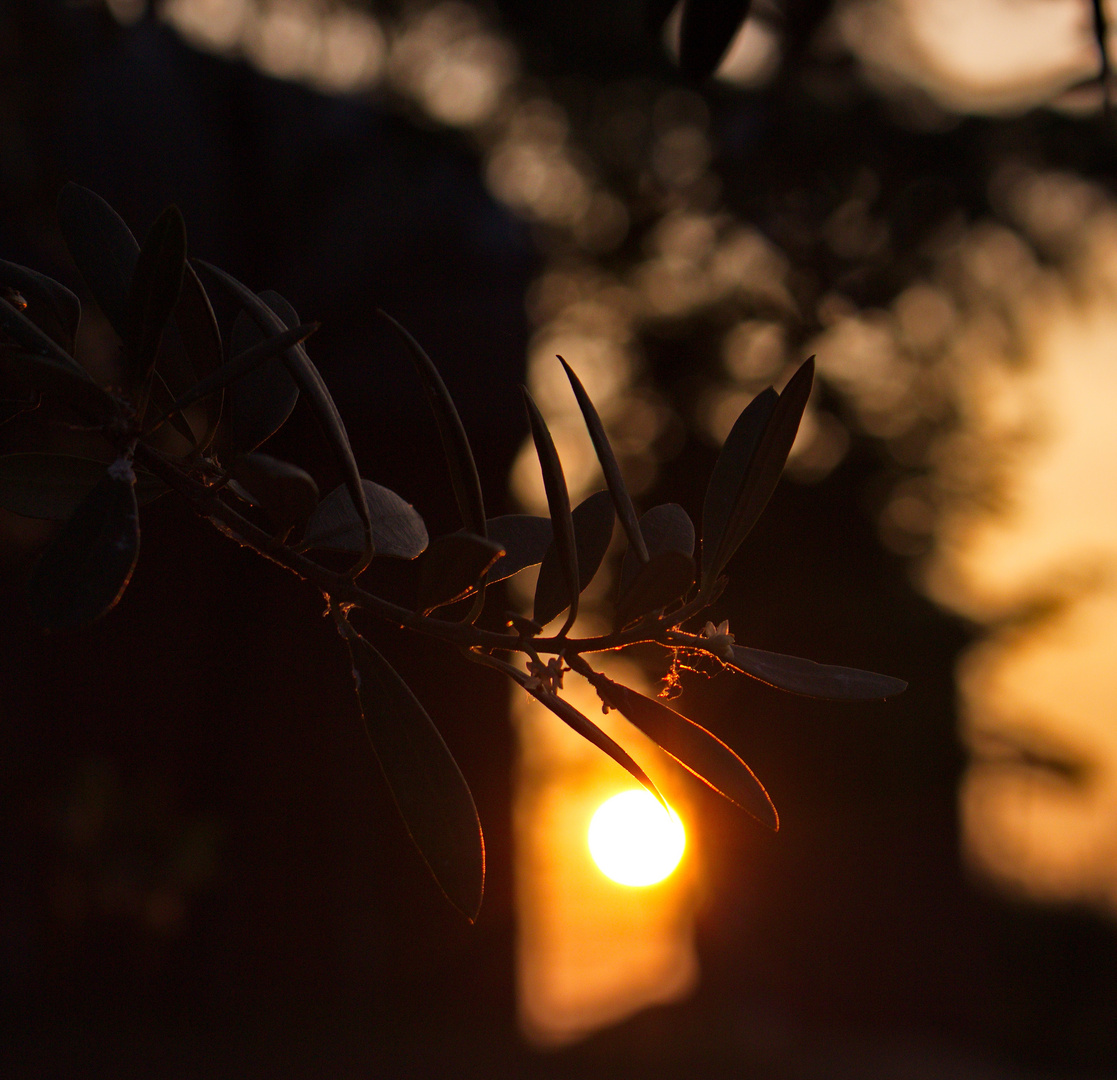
(53, 486)
(426, 783)
(153, 294)
(663, 579)
(455, 444)
(558, 503)
(622, 503)
(814, 680)
(25, 333)
(666, 527)
(50, 305)
(261, 393)
(200, 335)
(669, 572)
(264, 409)
(695, 748)
(595, 736)
(705, 33)
(525, 540)
(287, 494)
(593, 529)
(724, 486)
(452, 567)
(397, 528)
(103, 249)
(761, 470)
(87, 566)
(311, 383)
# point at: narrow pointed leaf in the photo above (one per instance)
(452, 567)
(455, 444)
(161, 400)
(197, 324)
(263, 396)
(311, 383)
(397, 528)
(245, 364)
(525, 540)
(50, 305)
(767, 463)
(593, 529)
(24, 332)
(201, 338)
(594, 735)
(705, 33)
(662, 580)
(103, 248)
(156, 285)
(53, 486)
(622, 502)
(86, 568)
(730, 470)
(814, 680)
(426, 783)
(558, 503)
(695, 748)
(664, 528)
(287, 494)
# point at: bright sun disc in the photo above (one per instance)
(632, 839)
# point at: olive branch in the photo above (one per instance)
(187, 414)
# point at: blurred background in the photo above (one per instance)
(203, 871)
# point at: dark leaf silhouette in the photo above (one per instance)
(287, 494)
(724, 485)
(424, 779)
(86, 568)
(263, 393)
(397, 528)
(53, 486)
(594, 735)
(664, 528)
(525, 540)
(452, 567)
(455, 444)
(103, 248)
(814, 680)
(622, 503)
(154, 292)
(558, 503)
(705, 33)
(310, 382)
(201, 340)
(593, 529)
(764, 467)
(24, 332)
(243, 366)
(50, 305)
(662, 580)
(703, 753)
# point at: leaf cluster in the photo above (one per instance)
(187, 411)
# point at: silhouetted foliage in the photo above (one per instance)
(185, 414)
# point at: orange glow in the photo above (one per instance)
(1026, 543)
(634, 841)
(590, 952)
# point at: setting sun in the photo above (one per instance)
(633, 841)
